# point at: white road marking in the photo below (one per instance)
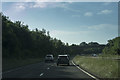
(85, 71)
(41, 74)
(0, 73)
(51, 65)
(48, 68)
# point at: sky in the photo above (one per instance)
(71, 22)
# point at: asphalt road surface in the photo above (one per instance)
(46, 70)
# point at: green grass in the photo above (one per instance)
(101, 67)
(8, 64)
(110, 56)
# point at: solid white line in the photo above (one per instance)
(41, 74)
(85, 72)
(0, 73)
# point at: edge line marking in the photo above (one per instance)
(85, 71)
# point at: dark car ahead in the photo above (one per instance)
(63, 59)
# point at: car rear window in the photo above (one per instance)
(63, 57)
(48, 56)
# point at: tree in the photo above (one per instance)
(112, 47)
(93, 44)
(83, 44)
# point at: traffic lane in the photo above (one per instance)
(46, 70)
(64, 71)
(30, 71)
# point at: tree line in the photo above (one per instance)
(112, 47)
(18, 41)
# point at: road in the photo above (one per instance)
(46, 70)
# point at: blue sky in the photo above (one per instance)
(72, 22)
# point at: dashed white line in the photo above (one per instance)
(41, 74)
(85, 71)
(51, 65)
(48, 68)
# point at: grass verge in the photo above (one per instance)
(8, 64)
(101, 67)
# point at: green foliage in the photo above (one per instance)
(20, 42)
(84, 48)
(112, 47)
(93, 44)
(83, 44)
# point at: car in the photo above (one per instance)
(94, 55)
(49, 58)
(63, 59)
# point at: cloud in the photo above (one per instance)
(39, 5)
(103, 26)
(71, 36)
(19, 6)
(67, 33)
(88, 14)
(62, 5)
(70, 9)
(45, 3)
(60, 32)
(89, 30)
(37, 0)
(106, 11)
(47, 0)
(61, 0)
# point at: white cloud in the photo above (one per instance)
(71, 36)
(70, 9)
(106, 11)
(103, 26)
(88, 14)
(54, 33)
(88, 31)
(47, 5)
(61, 0)
(64, 6)
(19, 7)
(100, 33)
(37, 0)
(39, 5)
(59, 32)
